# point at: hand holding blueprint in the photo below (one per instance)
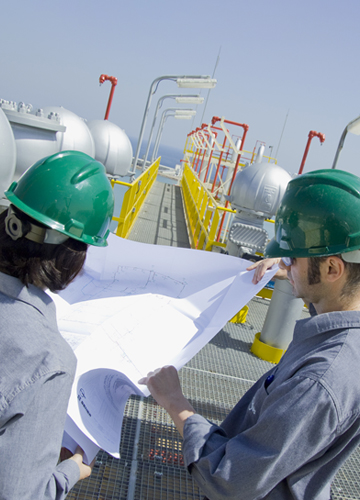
(136, 307)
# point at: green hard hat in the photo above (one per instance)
(319, 215)
(68, 192)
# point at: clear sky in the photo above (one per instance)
(282, 62)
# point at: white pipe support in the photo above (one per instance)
(283, 312)
(220, 148)
(226, 132)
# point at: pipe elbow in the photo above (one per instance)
(102, 78)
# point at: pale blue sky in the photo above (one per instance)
(277, 56)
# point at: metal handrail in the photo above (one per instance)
(134, 199)
(203, 213)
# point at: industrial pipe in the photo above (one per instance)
(312, 134)
(113, 81)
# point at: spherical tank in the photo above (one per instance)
(77, 135)
(112, 147)
(7, 153)
(259, 188)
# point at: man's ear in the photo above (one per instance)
(333, 268)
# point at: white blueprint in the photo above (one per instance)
(134, 308)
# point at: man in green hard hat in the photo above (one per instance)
(290, 433)
(60, 205)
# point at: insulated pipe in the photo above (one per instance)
(219, 163)
(202, 152)
(195, 142)
(214, 135)
(205, 138)
(113, 81)
(260, 154)
(194, 148)
(312, 134)
(283, 312)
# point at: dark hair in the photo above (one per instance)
(352, 285)
(43, 265)
(314, 270)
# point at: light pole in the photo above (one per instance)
(182, 82)
(354, 128)
(180, 114)
(180, 99)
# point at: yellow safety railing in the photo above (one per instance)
(203, 213)
(134, 199)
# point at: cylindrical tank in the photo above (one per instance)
(112, 147)
(77, 135)
(34, 134)
(45, 132)
(7, 153)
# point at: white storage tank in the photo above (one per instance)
(7, 153)
(34, 133)
(259, 188)
(255, 195)
(112, 147)
(77, 135)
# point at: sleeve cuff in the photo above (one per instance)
(197, 431)
(69, 469)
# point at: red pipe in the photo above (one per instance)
(194, 155)
(246, 128)
(312, 134)
(113, 81)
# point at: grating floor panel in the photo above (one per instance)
(151, 465)
(161, 220)
(160, 482)
(109, 480)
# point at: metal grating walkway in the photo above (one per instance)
(151, 465)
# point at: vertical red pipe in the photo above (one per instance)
(312, 134)
(113, 81)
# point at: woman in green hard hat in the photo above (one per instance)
(60, 205)
(290, 433)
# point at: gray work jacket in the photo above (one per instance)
(289, 434)
(37, 368)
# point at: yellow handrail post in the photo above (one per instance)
(134, 199)
(202, 211)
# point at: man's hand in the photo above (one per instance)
(262, 266)
(85, 470)
(164, 385)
